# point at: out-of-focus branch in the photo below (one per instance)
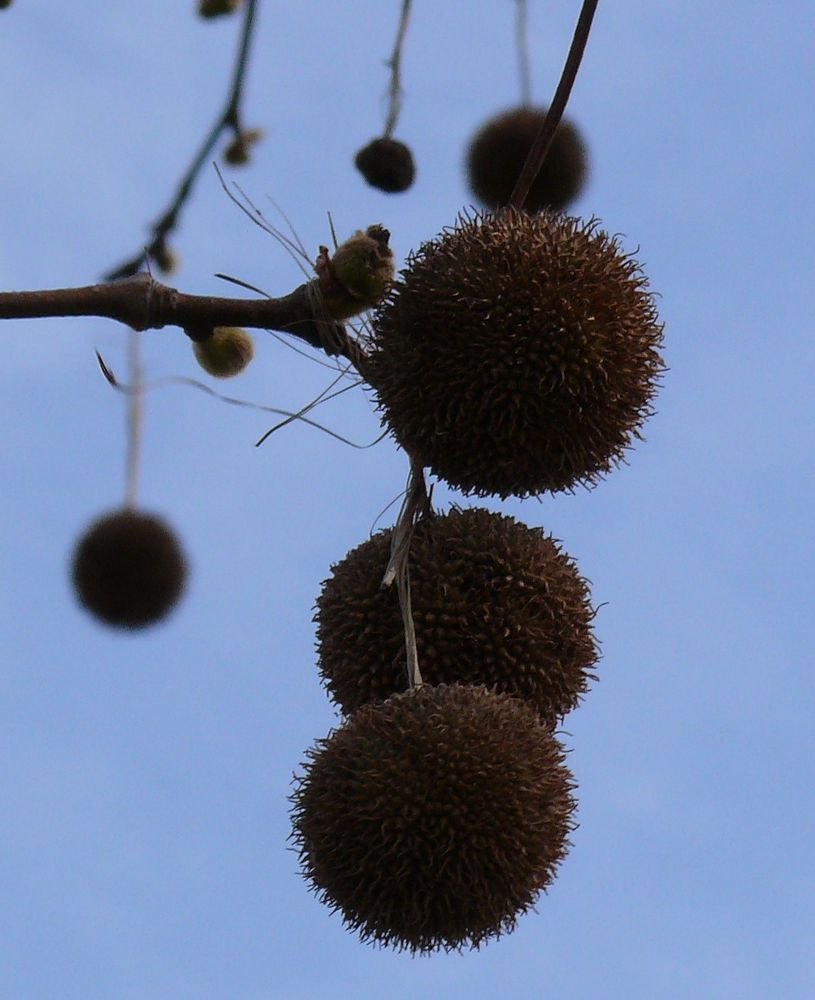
(395, 66)
(229, 118)
(543, 140)
(141, 302)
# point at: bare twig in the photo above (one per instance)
(522, 45)
(135, 413)
(229, 118)
(144, 303)
(543, 140)
(395, 66)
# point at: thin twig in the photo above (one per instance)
(192, 383)
(543, 140)
(395, 66)
(135, 413)
(522, 46)
(229, 118)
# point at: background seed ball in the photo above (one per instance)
(499, 150)
(494, 602)
(386, 164)
(226, 352)
(432, 820)
(128, 569)
(517, 353)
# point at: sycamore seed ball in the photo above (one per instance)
(433, 820)
(386, 164)
(128, 569)
(517, 354)
(494, 602)
(499, 150)
(226, 353)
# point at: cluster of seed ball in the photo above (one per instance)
(433, 817)
(518, 353)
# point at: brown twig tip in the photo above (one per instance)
(229, 118)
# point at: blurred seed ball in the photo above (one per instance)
(499, 150)
(128, 569)
(386, 164)
(433, 820)
(226, 353)
(4, 4)
(494, 602)
(217, 8)
(238, 151)
(517, 353)
(357, 276)
(165, 259)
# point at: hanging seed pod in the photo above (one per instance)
(499, 150)
(494, 602)
(517, 354)
(433, 820)
(386, 164)
(128, 569)
(226, 352)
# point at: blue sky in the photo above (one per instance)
(144, 778)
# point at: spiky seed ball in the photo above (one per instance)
(499, 150)
(433, 820)
(386, 164)
(128, 569)
(226, 353)
(494, 602)
(517, 353)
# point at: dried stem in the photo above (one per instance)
(522, 46)
(415, 504)
(564, 88)
(229, 118)
(395, 66)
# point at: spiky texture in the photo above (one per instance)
(128, 569)
(499, 150)
(517, 353)
(494, 602)
(433, 820)
(386, 164)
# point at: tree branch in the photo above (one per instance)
(143, 303)
(228, 118)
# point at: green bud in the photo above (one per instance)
(226, 353)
